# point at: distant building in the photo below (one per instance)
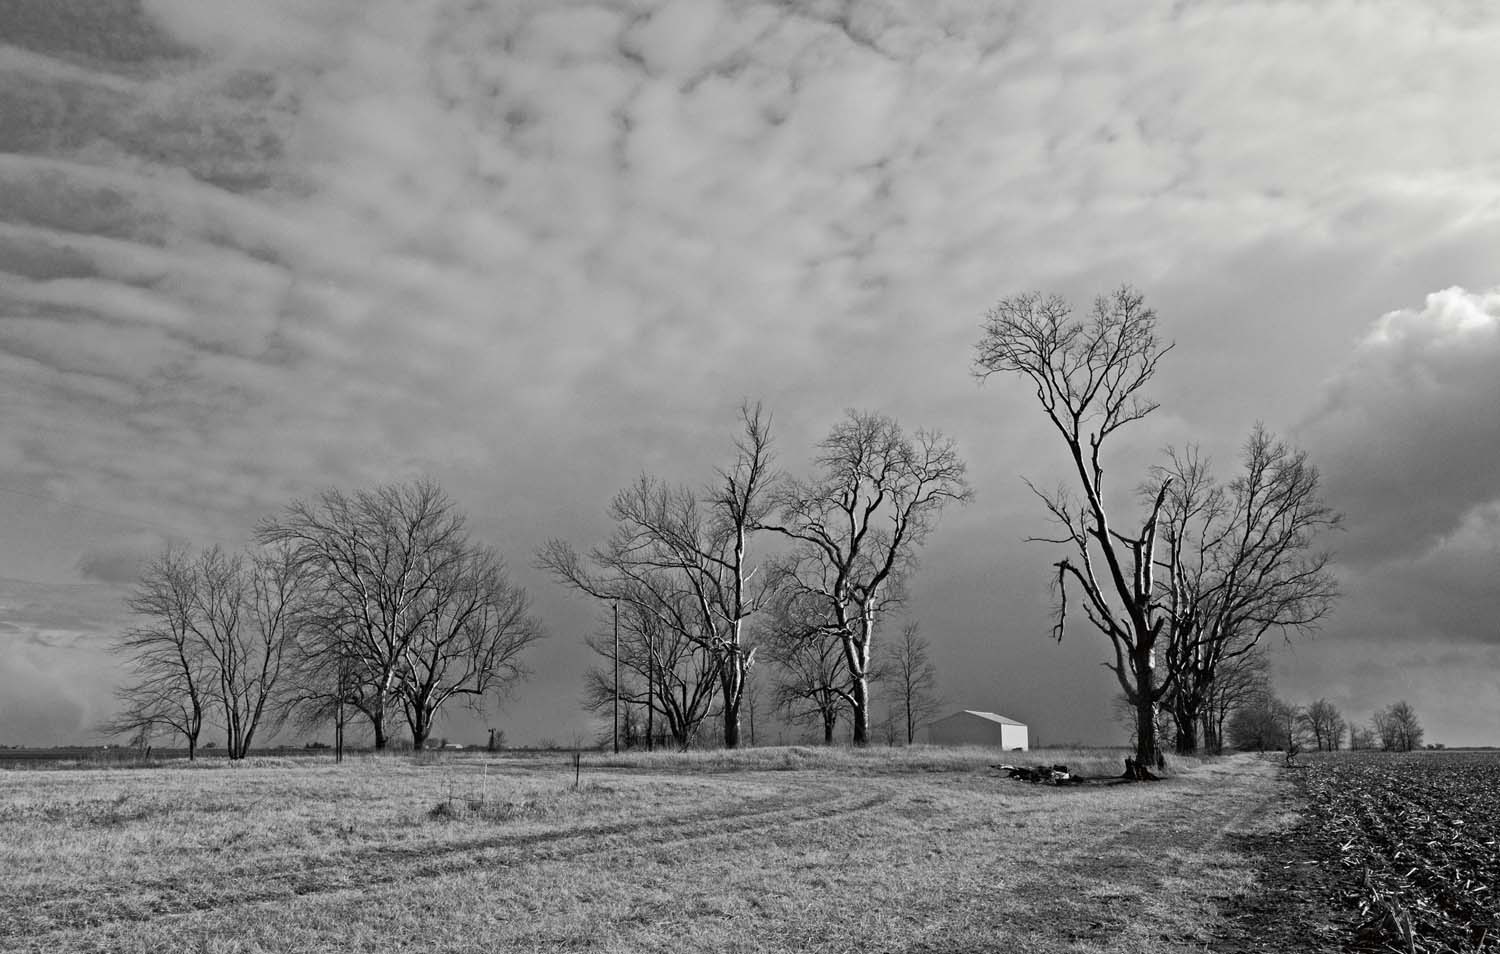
(971, 727)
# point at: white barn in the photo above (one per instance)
(971, 727)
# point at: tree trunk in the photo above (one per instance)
(860, 710)
(829, 719)
(733, 684)
(1145, 711)
(421, 728)
(1186, 717)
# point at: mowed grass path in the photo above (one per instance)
(778, 850)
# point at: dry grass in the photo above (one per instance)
(765, 850)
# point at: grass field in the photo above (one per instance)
(768, 850)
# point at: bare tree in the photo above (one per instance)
(216, 645)
(1360, 737)
(1088, 376)
(1242, 678)
(1396, 727)
(857, 525)
(811, 673)
(1323, 722)
(248, 619)
(685, 557)
(169, 676)
(409, 612)
(1236, 562)
(670, 677)
(908, 670)
(1265, 723)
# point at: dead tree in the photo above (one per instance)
(1088, 376)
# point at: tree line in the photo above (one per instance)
(1265, 722)
(374, 606)
(378, 606)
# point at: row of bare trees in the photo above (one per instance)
(1186, 589)
(1266, 722)
(375, 605)
(701, 578)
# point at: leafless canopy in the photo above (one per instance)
(214, 645)
(1237, 561)
(410, 613)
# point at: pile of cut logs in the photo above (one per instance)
(1045, 774)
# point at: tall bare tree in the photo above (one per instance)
(1237, 561)
(857, 525)
(1088, 376)
(684, 556)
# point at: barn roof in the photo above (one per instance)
(992, 717)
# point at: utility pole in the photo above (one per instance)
(616, 608)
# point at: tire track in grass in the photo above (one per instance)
(36, 918)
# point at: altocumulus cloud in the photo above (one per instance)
(253, 247)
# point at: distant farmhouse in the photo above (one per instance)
(970, 727)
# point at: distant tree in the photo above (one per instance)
(1264, 724)
(1397, 728)
(1088, 377)
(1242, 678)
(1322, 721)
(1360, 737)
(907, 672)
(753, 702)
(856, 526)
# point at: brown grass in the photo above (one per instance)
(766, 850)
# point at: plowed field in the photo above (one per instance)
(1418, 838)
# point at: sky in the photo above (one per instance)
(251, 249)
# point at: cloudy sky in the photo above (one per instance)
(254, 248)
